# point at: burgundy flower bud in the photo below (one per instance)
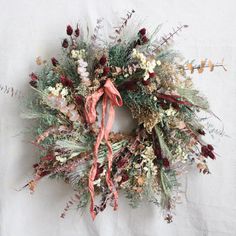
(35, 165)
(69, 30)
(200, 131)
(77, 31)
(211, 155)
(206, 151)
(152, 75)
(103, 60)
(121, 162)
(106, 70)
(79, 99)
(33, 83)
(142, 31)
(33, 76)
(210, 147)
(146, 82)
(125, 177)
(54, 61)
(65, 43)
(144, 39)
(166, 163)
(66, 82)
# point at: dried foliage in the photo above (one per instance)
(158, 91)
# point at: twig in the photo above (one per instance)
(119, 29)
(165, 40)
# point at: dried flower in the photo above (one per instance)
(69, 30)
(200, 131)
(207, 151)
(66, 82)
(103, 60)
(142, 31)
(166, 163)
(79, 99)
(65, 43)
(77, 31)
(106, 70)
(54, 61)
(152, 74)
(33, 76)
(145, 39)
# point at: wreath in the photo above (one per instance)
(140, 72)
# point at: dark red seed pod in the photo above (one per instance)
(200, 131)
(144, 39)
(125, 177)
(212, 155)
(106, 70)
(210, 147)
(166, 163)
(146, 82)
(77, 31)
(103, 60)
(33, 76)
(152, 75)
(69, 30)
(142, 31)
(79, 99)
(54, 61)
(33, 83)
(121, 162)
(66, 82)
(65, 43)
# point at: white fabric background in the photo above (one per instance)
(35, 28)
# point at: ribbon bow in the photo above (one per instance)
(112, 97)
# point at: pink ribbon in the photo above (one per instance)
(112, 97)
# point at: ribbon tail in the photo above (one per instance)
(93, 170)
(110, 155)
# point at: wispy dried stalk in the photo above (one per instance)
(119, 29)
(166, 39)
(96, 30)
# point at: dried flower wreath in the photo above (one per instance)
(141, 73)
